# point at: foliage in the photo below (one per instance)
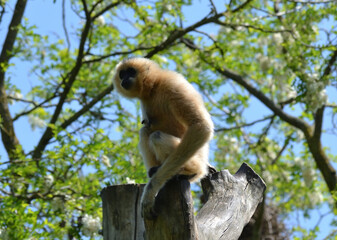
(266, 69)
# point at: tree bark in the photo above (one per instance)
(174, 205)
(121, 212)
(230, 203)
(8, 135)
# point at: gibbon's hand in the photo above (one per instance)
(148, 201)
(152, 171)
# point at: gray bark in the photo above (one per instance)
(230, 202)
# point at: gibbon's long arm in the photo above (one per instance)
(199, 131)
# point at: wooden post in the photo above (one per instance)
(174, 205)
(121, 212)
(230, 202)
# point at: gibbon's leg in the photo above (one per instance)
(147, 153)
(197, 166)
(161, 144)
(164, 144)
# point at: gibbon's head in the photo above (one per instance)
(132, 77)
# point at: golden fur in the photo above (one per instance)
(177, 127)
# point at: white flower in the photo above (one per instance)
(291, 92)
(264, 62)
(240, 28)
(15, 95)
(308, 175)
(300, 135)
(163, 59)
(315, 29)
(92, 157)
(57, 203)
(130, 181)
(168, 7)
(106, 161)
(262, 42)
(267, 177)
(48, 180)
(227, 30)
(101, 20)
(86, 58)
(235, 43)
(232, 147)
(91, 225)
(233, 140)
(36, 122)
(316, 96)
(315, 198)
(312, 77)
(277, 38)
(3, 234)
(298, 161)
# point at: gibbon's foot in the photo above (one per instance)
(148, 202)
(152, 171)
(187, 177)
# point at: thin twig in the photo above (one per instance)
(64, 23)
(245, 125)
(284, 147)
(2, 10)
(312, 2)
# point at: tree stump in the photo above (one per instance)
(230, 201)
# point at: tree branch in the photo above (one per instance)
(99, 58)
(64, 23)
(294, 121)
(240, 7)
(331, 61)
(36, 106)
(107, 8)
(314, 143)
(86, 107)
(312, 2)
(2, 5)
(9, 138)
(245, 125)
(318, 123)
(178, 33)
(48, 134)
(279, 154)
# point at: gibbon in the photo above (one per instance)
(177, 127)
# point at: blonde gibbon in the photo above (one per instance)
(177, 127)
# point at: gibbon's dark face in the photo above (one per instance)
(131, 75)
(127, 77)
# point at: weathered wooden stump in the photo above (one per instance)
(230, 201)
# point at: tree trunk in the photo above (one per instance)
(230, 202)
